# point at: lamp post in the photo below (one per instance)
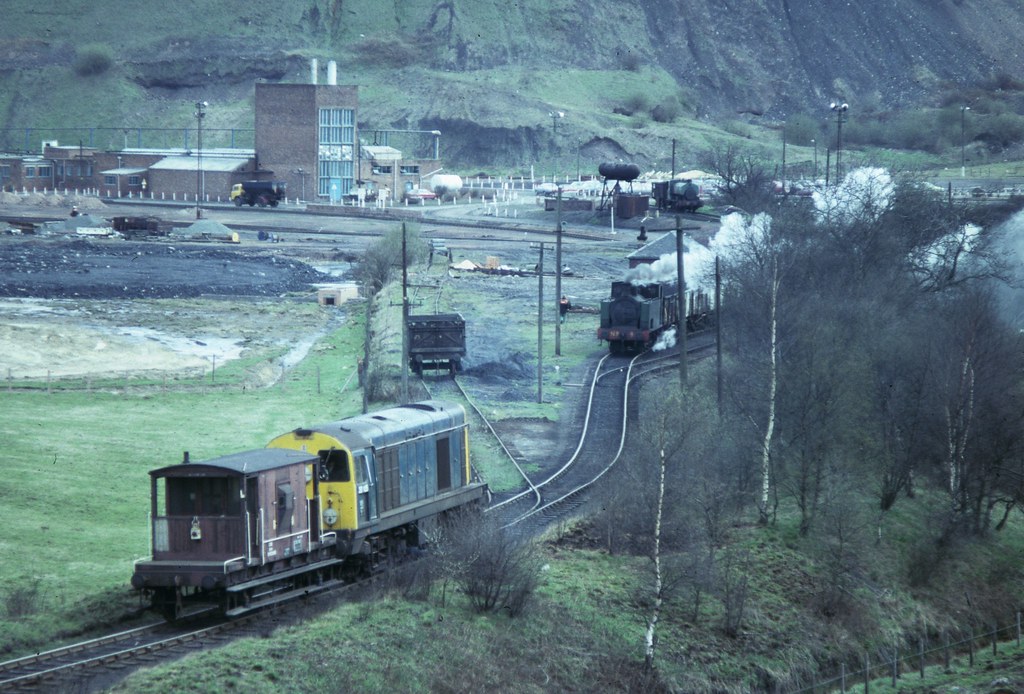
(814, 143)
(555, 116)
(840, 111)
(963, 151)
(200, 113)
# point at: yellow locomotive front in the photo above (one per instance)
(338, 481)
(383, 475)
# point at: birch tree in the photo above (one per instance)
(754, 257)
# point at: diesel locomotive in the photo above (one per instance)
(317, 506)
(636, 315)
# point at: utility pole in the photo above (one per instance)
(200, 114)
(405, 321)
(364, 366)
(558, 276)
(681, 303)
(540, 326)
(718, 329)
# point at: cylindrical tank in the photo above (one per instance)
(619, 172)
(332, 73)
(314, 67)
(450, 183)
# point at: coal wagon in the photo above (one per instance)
(436, 342)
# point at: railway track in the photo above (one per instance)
(70, 667)
(602, 439)
(97, 664)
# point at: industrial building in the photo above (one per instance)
(305, 135)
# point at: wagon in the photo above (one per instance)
(436, 342)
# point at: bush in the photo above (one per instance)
(500, 571)
(637, 103)
(22, 601)
(667, 111)
(93, 59)
(631, 61)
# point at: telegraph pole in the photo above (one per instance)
(681, 303)
(558, 276)
(540, 326)
(405, 321)
(718, 329)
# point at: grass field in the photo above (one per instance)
(77, 455)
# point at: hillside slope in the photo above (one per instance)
(489, 75)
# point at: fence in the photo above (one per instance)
(903, 661)
(198, 379)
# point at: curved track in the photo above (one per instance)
(602, 440)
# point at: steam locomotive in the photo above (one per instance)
(635, 316)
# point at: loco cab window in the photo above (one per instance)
(334, 466)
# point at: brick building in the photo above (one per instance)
(305, 135)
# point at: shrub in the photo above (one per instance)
(500, 571)
(22, 600)
(631, 61)
(637, 103)
(93, 59)
(667, 111)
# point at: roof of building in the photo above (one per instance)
(123, 172)
(381, 152)
(190, 163)
(180, 151)
(658, 247)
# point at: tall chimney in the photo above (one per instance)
(314, 67)
(332, 73)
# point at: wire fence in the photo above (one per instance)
(912, 659)
(198, 379)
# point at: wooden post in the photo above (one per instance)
(213, 369)
(405, 320)
(718, 331)
(945, 649)
(970, 647)
(540, 326)
(920, 656)
(842, 677)
(995, 638)
(558, 276)
(680, 304)
(895, 666)
(867, 673)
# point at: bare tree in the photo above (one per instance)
(755, 259)
(746, 177)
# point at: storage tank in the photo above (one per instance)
(446, 183)
(619, 172)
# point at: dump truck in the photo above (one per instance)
(260, 193)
